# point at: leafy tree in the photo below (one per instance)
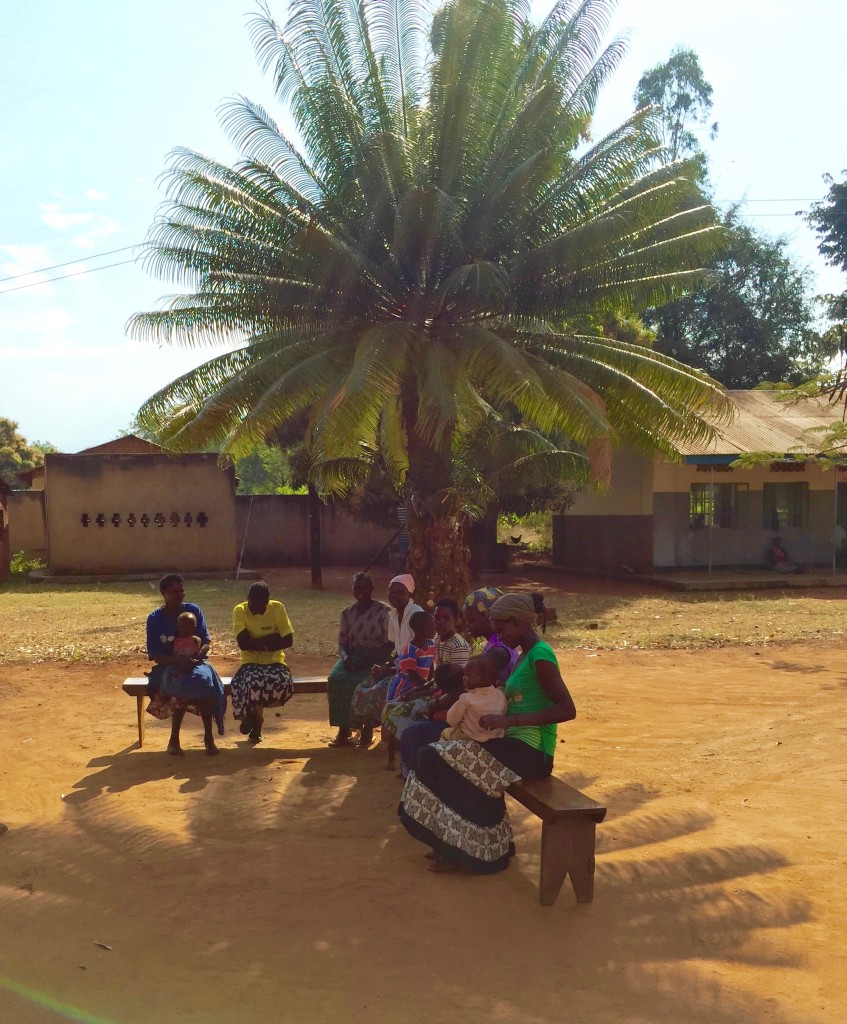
(683, 101)
(752, 319)
(829, 220)
(418, 268)
(17, 455)
(265, 470)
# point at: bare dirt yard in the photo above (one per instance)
(275, 883)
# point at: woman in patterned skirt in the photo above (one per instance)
(362, 643)
(263, 632)
(453, 799)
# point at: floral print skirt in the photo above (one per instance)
(265, 686)
(454, 800)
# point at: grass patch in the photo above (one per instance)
(106, 622)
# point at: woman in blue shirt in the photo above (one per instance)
(179, 683)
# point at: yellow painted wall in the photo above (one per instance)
(631, 492)
(117, 485)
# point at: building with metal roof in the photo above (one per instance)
(702, 511)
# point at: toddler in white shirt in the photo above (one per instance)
(482, 697)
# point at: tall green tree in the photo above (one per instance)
(412, 262)
(752, 319)
(682, 97)
(17, 455)
(828, 218)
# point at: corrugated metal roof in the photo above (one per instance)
(766, 423)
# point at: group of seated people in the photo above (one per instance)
(467, 723)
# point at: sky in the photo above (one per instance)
(96, 93)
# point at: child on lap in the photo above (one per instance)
(482, 697)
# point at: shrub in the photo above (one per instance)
(21, 564)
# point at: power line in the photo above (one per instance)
(81, 259)
(62, 277)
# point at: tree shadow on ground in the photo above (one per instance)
(287, 872)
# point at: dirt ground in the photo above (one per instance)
(275, 883)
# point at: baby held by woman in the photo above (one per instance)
(481, 697)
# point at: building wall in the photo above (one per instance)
(278, 533)
(28, 523)
(4, 538)
(140, 513)
(601, 533)
(676, 544)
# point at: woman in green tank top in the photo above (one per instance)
(453, 799)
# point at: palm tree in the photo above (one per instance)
(419, 262)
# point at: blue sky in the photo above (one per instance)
(96, 92)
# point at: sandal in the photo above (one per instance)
(443, 866)
(255, 735)
(246, 724)
(341, 740)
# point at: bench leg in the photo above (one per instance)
(567, 848)
(140, 711)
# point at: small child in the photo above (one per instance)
(415, 663)
(413, 671)
(482, 697)
(187, 643)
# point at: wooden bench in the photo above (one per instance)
(570, 820)
(136, 686)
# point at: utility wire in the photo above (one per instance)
(81, 259)
(62, 277)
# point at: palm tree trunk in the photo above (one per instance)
(438, 555)
(438, 558)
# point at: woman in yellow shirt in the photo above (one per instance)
(263, 632)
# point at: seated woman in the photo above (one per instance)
(776, 557)
(362, 643)
(181, 682)
(453, 798)
(263, 632)
(369, 696)
(475, 612)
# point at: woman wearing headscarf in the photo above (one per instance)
(369, 696)
(453, 800)
(362, 643)
(475, 617)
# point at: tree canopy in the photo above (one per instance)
(17, 455)
(416, 263)
(678, 89)
(751, 320)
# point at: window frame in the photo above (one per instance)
(712, 507)
(796, 517)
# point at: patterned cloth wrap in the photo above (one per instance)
(453, 799)
(267, 686)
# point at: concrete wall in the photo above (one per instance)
(4, 538)
(28, 523)
(676, 544)
(602, 532)
(278, 533)
(140, 513)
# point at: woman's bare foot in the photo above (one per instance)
(175, 750)
(211, 748)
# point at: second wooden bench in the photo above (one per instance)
(569, 822)
(136, 686)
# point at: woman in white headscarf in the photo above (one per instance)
(369, 696)
(453, 798)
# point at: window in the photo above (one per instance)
(785, 505)
(713, 505)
